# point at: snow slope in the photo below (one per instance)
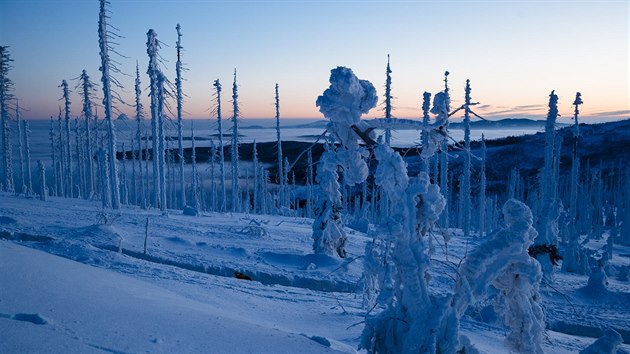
(68, 307)
(105, 294)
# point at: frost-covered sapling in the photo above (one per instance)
(503, 261)
(411, 323)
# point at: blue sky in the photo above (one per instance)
(514, 52)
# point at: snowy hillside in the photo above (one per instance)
(106, 294)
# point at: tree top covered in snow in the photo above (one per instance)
(347, 97)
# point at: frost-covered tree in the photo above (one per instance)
(78, 153)
(545, 246)
(234, 148)
(161, 81)
(342, 103)
(196, 199)
(441, 107)
(43, 190)
(217, 87)
(482, 189)
(213, 186)
(424, 135)
(503, 261)
(106, 79)
(124, 187)
(465, 192)
(411, 322)
(87, 93)
(388, 102)
(309, 184)
(20, 147)
(139, 116)
(575, 257)
(28, 184)
(575, 165)
(62, 155)
(255, 168)
(328, 234)
(67, 146)
(53, 157)
(281, 176)
(6, 95)
(157, 94)
(180, 100)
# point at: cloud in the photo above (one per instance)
(625, 112)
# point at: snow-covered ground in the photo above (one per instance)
(76, 279)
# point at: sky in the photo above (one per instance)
(514, 52)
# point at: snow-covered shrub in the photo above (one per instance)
(606, 344)
(504, 262)
(413, 319)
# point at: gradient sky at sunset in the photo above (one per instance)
(514, 52)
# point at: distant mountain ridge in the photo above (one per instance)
(506, 123)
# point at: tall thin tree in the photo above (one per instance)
(235, 142)
(67, 144)
(281, 176)
(139, 127)
(53, 157)
(180, 99)
(388, 102)
(465, 191)
(88, 88)
(106, 68)
(6, 95)
(217, 86)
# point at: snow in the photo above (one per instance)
(97, 290)
(108, 311)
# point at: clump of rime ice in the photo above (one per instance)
(437, 133)
(504, 262)
(343, 103)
